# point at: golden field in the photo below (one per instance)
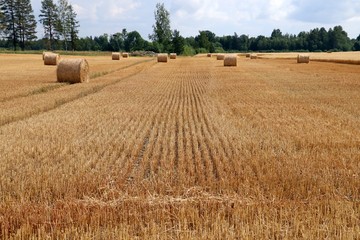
(189, 149)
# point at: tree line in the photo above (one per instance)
(18, 28)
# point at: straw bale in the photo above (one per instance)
(230, 61)
(51, 59)
(115, 56)
(253, 56)
(220, 57)
(162, 57)
(303, 58)
(73, 71)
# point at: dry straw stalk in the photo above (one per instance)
(230, 61)
(51, 59)
(73, 71)
(115, 56)
(162, 57)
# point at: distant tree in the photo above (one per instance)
(178, 42)
(62, 25)
(9, 21)
(73, 27)
(276, 33)
(356, 46)
(161, 29)
(26, 23)
(338, 39)
(134, 41)
(18, 22)
(49, 19)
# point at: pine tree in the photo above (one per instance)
(26, 22)
(18, 22)
(73, 27)
(63, 23)
(49, 19)
(8, 8)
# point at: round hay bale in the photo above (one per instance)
(220, 57)
(230, 61)
(303, 58)
(209, 55)
(125, 55)
(74, 70)
(253, 56)
(247, 55)
(173, 55)
(51, 59)
(162, 57)
(115, 56)
(44, 53)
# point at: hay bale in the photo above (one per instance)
(173, 55)
(209, 55)
(51, 59)
(45, 53)
(115, 56)
(162, 57)
(303, 58)
(73, 71)
(125, 55)
(230, 61)
(247, 55)
(220, 57)
(253, 56)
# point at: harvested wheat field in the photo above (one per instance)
(191, 149)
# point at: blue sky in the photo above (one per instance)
(223, 17)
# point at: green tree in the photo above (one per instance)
(49, 19)
(18, 22)
(62, 25)
(161, 29)
(26, 23)
(134, 41)
(338, 39)
(73, 27)
(8, 8)
(178, 42)
(356, 46)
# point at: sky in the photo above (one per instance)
(222, 17)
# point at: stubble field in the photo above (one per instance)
(269, 149)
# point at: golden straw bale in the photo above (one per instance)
(209, 55)
(44, 53)
(248, 55)
(51, 59)
(115, 56)
(162, 57)
(125, 55)
(73, 71)
(173, 55)
(303, 58)
(230, 61)
(220, 57)
(253, 56)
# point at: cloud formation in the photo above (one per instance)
(251, 17)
